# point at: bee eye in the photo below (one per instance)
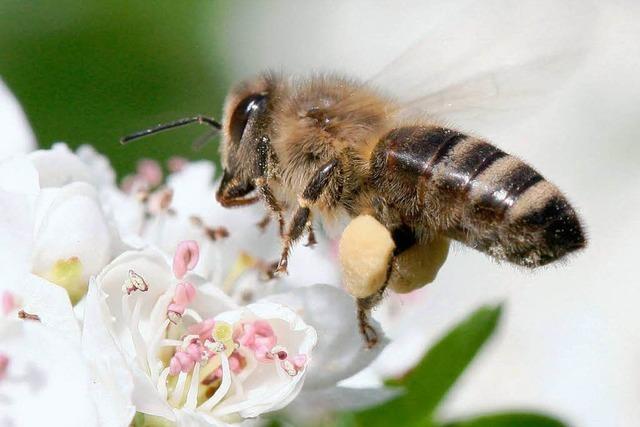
(254, 103)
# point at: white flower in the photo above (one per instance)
(17, 137)
(196, 357)
(52, 215)
(42, 365)
(42, 375)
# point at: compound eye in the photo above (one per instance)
(251, 104)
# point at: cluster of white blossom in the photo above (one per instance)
(150, 298)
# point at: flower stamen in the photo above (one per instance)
(186, 258)
(28, 316)
(176, 396)
(184, 294)
(192, 394)
(223, 389)
(134, 283)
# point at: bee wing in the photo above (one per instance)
(490, 61)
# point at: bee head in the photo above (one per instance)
(246, 122)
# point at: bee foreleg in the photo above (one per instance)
(272, 203)
(302, 216)
(264, 154)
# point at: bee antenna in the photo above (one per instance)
(175, 124)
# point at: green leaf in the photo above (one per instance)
(507, 419)
(428, 383)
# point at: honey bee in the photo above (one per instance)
(328, 146)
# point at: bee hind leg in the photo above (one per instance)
(364, 307)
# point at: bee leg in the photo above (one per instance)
(311, 239)
(365, 305)
(264, 154)
(312, 192)
(272, 202)
(296, 228)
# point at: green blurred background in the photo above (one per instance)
(93, 71)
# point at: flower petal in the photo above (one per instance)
(17, 135)
(111, 382)
(150, 264)
(71, 224)
(51, 304)
(46, 375)
(102, 172)
(59, 166)
(341, 351)
(16, 220)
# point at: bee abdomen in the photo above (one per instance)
(478, 194)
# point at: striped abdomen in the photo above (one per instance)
(438, 180)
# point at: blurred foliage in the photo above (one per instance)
(92, 71)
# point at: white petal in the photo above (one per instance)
(397, 314)
(51, 303)
(16, 229)
(111, 382)
(103, 334)
(341, 351)
(146, 397)
(211, 301)
(102, 172)
(149, 263)
(189, 418)
(47, 377)
(59, 166)
(317, 264)
(18, 175)
(126, 212)
(70, 223)
(17, 137)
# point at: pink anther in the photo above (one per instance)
(203, 329)
(186, 258)
(184, 295)
(181, 362)
(259, 337)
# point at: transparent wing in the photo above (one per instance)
(490, 61)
